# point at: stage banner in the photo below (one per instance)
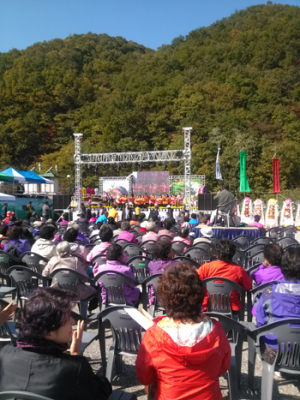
(178, 187)
(244, 185)
(115, 187)
(218, 170)
(151, 182)
(276, 181)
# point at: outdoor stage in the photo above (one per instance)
(231, 233)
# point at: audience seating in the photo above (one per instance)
(242, 241)
(67, 279)
(219, 290)
(209, 247)
(229, 215)
(286, 241)
(147, 247)
(7, 261)
(122, 242)
(287, 360)
(166, 237)
(187, 260)
(257, 258)
(197, 254)
(240, 258)
(127, 337)
(151, 280)
(132, 250)
(20, 395)
(100, 259)
(254, 249)
(262, 240)
(274, 232)
(139, 266)
(113, 282)
(32, 260)
(251, 295)
(179, 248)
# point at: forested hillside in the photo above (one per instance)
(237, 83)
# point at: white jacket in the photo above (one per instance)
(45, 248)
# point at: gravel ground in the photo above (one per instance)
(285, 388)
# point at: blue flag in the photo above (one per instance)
(218, 171)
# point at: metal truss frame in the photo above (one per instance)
(134, 157)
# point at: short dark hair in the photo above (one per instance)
(167, 224)
(140, 219)
(203, 220)
(70, 235)
(125, 226)
(162, 249)
(226, 187)
(47, 232)
(14, 233)
(65, 216)
(184, 232)
(225, 250)
(273, 254)
(114, 252)
(180, 291)
(18, 222)
(110, 220)
(106, 234)
(290, 265)
(45, 310)
(256, 218)
(99, 224)
(193, 216)
(13, 217)
(186, 219)
(3, 229)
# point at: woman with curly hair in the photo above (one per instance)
(39, 363)
(184, 353)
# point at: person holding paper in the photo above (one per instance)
(183, 353)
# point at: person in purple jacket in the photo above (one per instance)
(114, 257)
(14, 236)
(125, 234)
(270, 270)
(281, 300)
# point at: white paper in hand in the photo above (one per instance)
(139, 318)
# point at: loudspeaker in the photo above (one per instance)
(206, 202)
(61, 201)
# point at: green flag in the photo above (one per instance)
(244, 185)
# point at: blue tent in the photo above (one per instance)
(24, 176)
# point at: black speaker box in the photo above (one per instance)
(61, 201)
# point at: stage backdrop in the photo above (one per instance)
(178, 186)
(150, 182)
(115, 187)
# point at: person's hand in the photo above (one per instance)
(7, 312)
(77, 339)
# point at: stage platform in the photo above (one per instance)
(231, 233)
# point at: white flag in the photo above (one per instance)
(218, 171)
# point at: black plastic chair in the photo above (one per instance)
(94, 239)
(209, 247)
(147, 247)
(263, 240)
(292, 246)
(239, 333)
(19, 395)
(122, 242)
(8, 332)
(139, 266)
(243, 241)
(34, 261)
(219, 291)
(187, 260)
(113, 283)
(257, 258)
(166, 237)
(287, 359)
(274, 233)
(7, 261)
(254, 249)
(197, 254)
(25, 280)
(100, 259)
(151, 280)
(179, 248)
(240, 258)
(253, 293)
(89, 247)
(127, 337)
(68, 279)
(132, 250)
(286, 241)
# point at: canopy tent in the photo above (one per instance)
(25, 176)
(6, 197)
(5, 177)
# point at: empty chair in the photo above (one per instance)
(240, 258)
(149, 286)
(209, 247)
(179, 248)
(147, 247)
(274, 233)
(127, 337)
(34, 261)
(243, 241)
(197, 254)
(139, 266)
(187, 260)
(262, 240)
(132, 250)
(254, 249)
(286, 241)
(289, 231)
(25, 280)
(257, 258)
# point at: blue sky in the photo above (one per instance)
(151, 23)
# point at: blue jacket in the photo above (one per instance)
(279, 301)
(23, 246)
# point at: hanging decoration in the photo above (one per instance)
(287, 217)
(276, 181)
(246, 216)
(244, 185)
(237, 211)
(297, 219)
(258, 209)
(218, 170)
(272, 214)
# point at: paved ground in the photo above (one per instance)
(284, 388)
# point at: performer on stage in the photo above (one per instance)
(147, 198)
(132, 199)
(153, 200)
(159, 200)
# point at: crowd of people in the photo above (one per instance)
(182, 345)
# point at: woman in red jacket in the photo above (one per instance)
(184, 353)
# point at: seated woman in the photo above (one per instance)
(281, 300)
(183, 236)
(93, 218)
(114, 262)
(151, 232)
(45, 332)
(270, 270)
(225, 268)
(76, 249)
(162, 254)
(64, 259)
(185, 352)
(64, 219)
(14, 235)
